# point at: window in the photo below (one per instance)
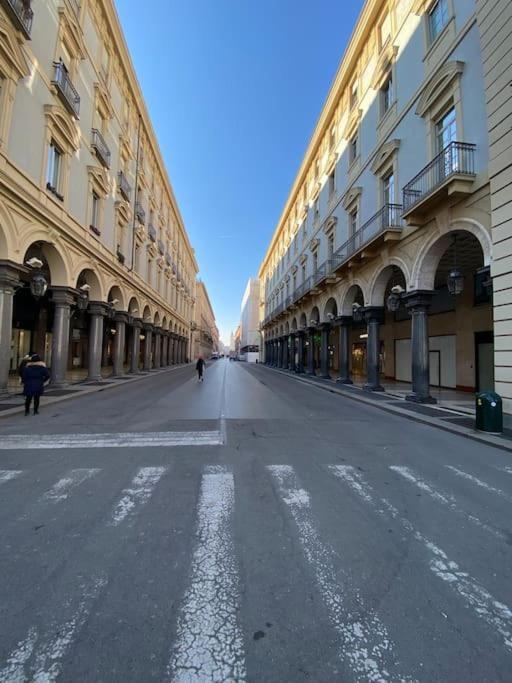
(315, 261)
(294, 282)
(303, 272)
(95, 213)
(386, 95)
(352, 222)
(304, 230)
(437, 18)
(353, 148)
(388, 188)
(54, 168)
(295, 245)
(330, 245)
(317, 209)
(446, 130)
(332, 184)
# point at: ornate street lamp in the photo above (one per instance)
(38, 283)
(83, 297)
(455, 279)
(357, 312)
(394, 299)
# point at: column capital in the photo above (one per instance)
(121, 317)
(10, 273)
(419, 298)
(99, 308)
(325, 326)
(157, 329)
(300, 333)
(63, 296)
(344, 321)
(148, 327)
(374, 314)
(136, 322)
(312, 330)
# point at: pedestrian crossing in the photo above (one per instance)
(210, 640)
(111, 440)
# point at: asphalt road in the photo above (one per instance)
(250, 527)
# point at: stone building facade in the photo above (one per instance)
(97, 273)
(205, 335)
(380, 265)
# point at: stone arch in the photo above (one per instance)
(146, 315)
(381, 278)
(354, 294)
(156, 319)
(294, 324)
(87, 276)
(115, 294)
(7, 233)
(330, 309)
(426, 263)
(164, 323)
(303, 321)
(57, 263)
(314, 316)
(134, 307)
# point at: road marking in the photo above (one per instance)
(365, 641)
(139, 493)
(52, 647)
(8, 475)
(449, 501)
(209, 644)
(495, 613)
(62, 488)
(478, 482)
(116, 440)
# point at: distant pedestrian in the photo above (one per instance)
(200, 366)
(35, 374)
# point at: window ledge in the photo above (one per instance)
(54, 192)
(354, 164)
(388, 116)
(95, 230)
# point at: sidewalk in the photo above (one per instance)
(14, 403)
(442, 417)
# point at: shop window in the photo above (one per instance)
(482, 293)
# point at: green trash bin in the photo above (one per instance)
(489, 412)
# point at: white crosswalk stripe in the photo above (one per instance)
(209, 645)
(138, 493)
(365, 642)
(448, 501)
(9, 475)
(478, 482)
(62, 488)
(116, 440)
(495, 613)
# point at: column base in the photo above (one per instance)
(373, 387)
(60, 385)
(344, 380)
(325, 377)
(312, 373)
(416, 398)
(92, 378)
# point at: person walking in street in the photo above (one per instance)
(200, 365)
(26, 359)
(35, 374)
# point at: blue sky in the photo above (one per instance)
(234, 89)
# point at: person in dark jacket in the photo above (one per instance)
(35, 374)
(26, 359)
(200, 365)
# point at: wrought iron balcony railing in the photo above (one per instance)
(65, 89)
(100, 147)
(140, 214)
(152, 232)
(457, 159)
(124, 186)
(388, 217)
(21, 14)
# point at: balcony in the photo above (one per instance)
(449, 174)
(21, 15)
(140, 214)
(386, 225)
(100, 147)
(124, 186)
(66, 90)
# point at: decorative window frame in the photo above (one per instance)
(13, 68)
(440, 93)
(422, 8)
(70, 37)
(65, 132)
(385, 67)
(99, 183)
(386, 161)
(351, 201)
